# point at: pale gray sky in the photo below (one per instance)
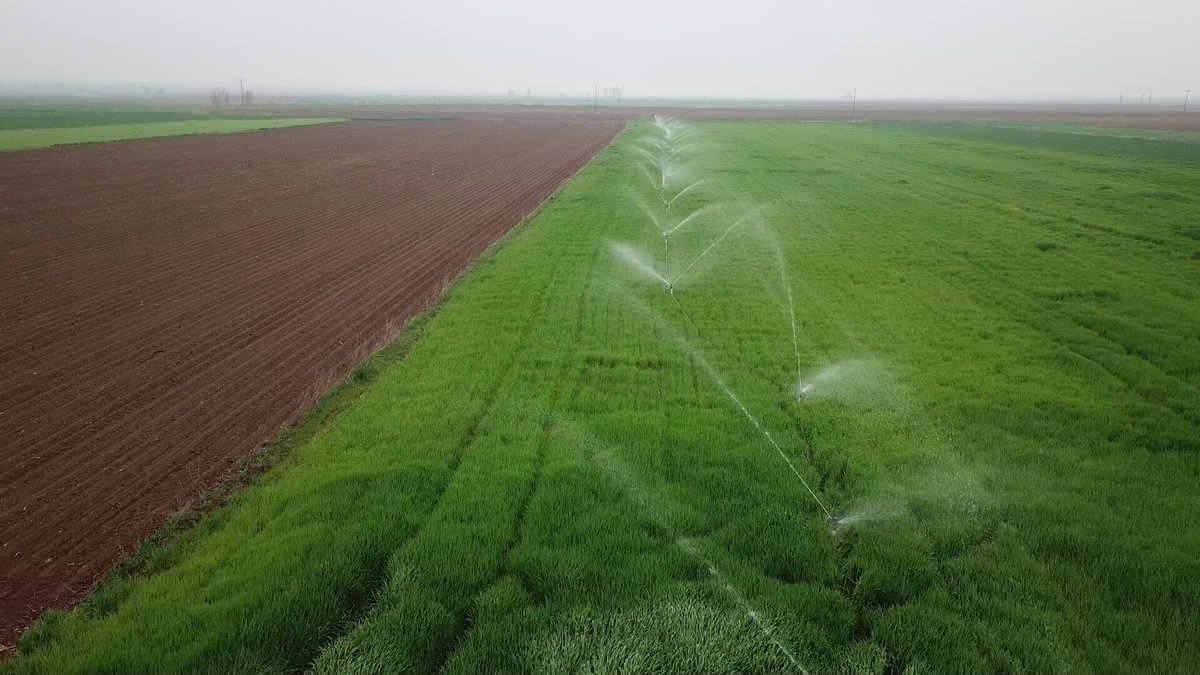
(747, 48)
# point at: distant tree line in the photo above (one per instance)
(219, 96)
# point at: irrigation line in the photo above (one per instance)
(716, 377)
(795, 337)
(653, 183)
(684, 191)
(616, 471)
(660, 163)
(785, 280)
(710, 247)
(658, 145)
(683, 311)
(767, 434)
(741, 600)
(688, 219)
(667, 260)
(708, 367)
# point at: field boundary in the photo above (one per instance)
(285, 123)
(420, 118)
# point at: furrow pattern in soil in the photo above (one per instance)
(169, 304)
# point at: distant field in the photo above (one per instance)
(1032, 131)
(42, 137)
(1120, 144)
(16, 116)
(925, 399)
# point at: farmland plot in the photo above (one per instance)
(169, 304)
(746, 398)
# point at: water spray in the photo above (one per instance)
(801, 387)
(733, 398)
(711, 246)
(843, 378)
(667, 259)
(620, 474)
(712, 373)
(632, 257)
(683, 192)
(689, 218)
(665, 165)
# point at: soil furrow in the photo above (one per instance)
(169, 304)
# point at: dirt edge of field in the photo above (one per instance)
(190, 521)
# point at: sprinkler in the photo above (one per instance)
(837, 523)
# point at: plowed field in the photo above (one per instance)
(168, 305)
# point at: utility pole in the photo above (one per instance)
(242, 92)
(853, 103)
(1186, 94)
(596, 99)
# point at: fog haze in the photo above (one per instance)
(763, 49)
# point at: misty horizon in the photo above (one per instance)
(266, 92)
(923, 51)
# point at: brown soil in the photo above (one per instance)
(168, 305)
(1164, 117)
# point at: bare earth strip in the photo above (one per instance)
(168, 305)
(1157, 117)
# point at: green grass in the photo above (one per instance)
(553, 480)
(29, 116)
(26, 138)
(1118, 144)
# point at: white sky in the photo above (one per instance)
(748, 48)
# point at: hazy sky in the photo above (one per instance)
(752, 48)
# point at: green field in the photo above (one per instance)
(77, 129)
(570, 470)
(31, 116)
